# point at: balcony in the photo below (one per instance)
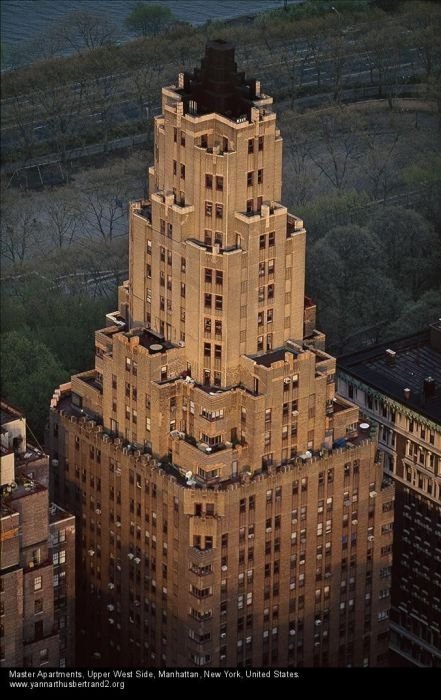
(143, 208)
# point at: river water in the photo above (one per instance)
(23, 20)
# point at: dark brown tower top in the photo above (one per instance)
(217, 86)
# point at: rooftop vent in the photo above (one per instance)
(390, 356)
(429, 387)
(406, 394)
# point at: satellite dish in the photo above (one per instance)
(188, 475)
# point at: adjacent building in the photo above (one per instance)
(37, 575)
(398, 385)
(231, 508)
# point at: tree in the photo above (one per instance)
(348, 279)
(30, 373)
(148, 20)
(63, 218)
(18, 236)
(88, 30)
(338, 137)
(411, 248)
(415, 316)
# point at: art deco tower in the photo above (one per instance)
(231, 510)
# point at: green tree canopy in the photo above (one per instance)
(146, 19)
(349, 282)
(30, 373)
(412, 248)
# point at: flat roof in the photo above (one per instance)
(269, 358)
(9, 413)
(417, 357)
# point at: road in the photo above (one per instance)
(77, 117)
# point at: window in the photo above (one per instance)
(250, 179)
(208, 275)
(219, 277)
(38, 606)
(271, 239)
(269, 316)
(250, 145)
(207, 349)
(219, 183)
(259, 177)
(182, 138)
(208, 240)
(218, 302)
(209, 181)
(270, 291)
(262, 245)
(38, 583)
(260, 143)
(219, 210)
(182, 289)
(207, 301)
(249, 206)
(182, 171)
(59, 557)
(208, 208)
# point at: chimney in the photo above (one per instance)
(429, 387)
(407, 394)
(390, 356)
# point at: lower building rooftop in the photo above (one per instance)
(407, 370)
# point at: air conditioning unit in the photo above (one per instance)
(224, 568)
(118, 524)
(111, 586)
(181, 343)
(287, 380)
(110, 607)
(223, 635)
(355, 522)
(91, 552)
(371, 538)
(295, 413)
(137, 560)
(98, 511)
(130, 555)
(111, 620)
(372, 494)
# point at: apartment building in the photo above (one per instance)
(231, 509)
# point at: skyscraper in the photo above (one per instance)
(231, 509)
(37, 575)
